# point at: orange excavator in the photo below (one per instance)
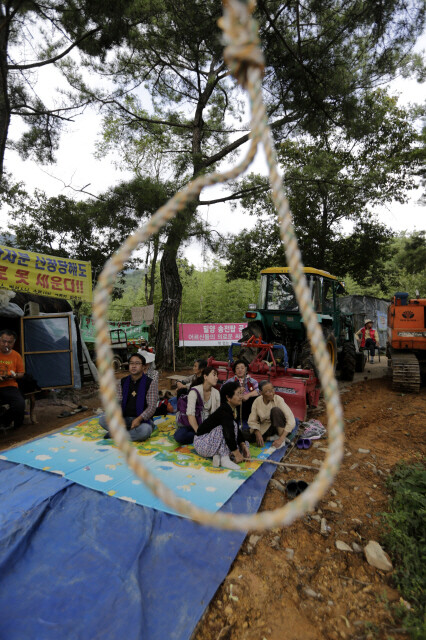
(406, 345)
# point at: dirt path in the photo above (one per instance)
(294, 584)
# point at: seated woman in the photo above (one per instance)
(219, 437)
(270, 418)
(203, 400)
(368, 338)
(249, 386)
(199, 366)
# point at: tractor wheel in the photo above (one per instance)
(348, 361)
(360, 361)
(306, 358)
(279, 330)
(254, 328)
(116, 363)
(331, 346)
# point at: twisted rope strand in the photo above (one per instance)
(246, 61)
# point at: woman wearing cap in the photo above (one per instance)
(369, 338)
(249, 386)
(149, 357)
(270, 417)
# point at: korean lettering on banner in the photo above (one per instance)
(215, 334)
(45, 275)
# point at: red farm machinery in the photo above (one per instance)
(298, 387)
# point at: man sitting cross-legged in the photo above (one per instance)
(139, 394)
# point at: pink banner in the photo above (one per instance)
(216, 335)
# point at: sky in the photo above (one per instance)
(77, 167)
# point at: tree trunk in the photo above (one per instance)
(170, 305)
(171, 287)
(4, 95)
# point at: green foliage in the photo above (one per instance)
(405, 539)
(412, 256)
(39, 34)
(206, 295)
(332, 178)
(401, 269)
(87, 230)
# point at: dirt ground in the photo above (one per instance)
(294, 584)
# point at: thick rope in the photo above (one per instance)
(246, 62)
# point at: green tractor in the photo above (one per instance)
(277, 319)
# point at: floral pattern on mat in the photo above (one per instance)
(79, 453)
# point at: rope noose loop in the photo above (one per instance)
(237, 23)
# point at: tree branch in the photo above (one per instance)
(237, 143)
(234, 196)
(33, 65)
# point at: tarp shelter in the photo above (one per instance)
(49, 343)
(362, 307)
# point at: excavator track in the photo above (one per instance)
(405, 372)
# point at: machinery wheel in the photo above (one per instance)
(278, 330)
(306, 358)
(360, 361)
(348, 361)
(331, 345)
(405, 372)
(116, 363)
(254, 328)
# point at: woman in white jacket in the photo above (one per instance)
(203, 400)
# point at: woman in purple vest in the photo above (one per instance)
(139, 396)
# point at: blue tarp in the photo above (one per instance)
(77, 564)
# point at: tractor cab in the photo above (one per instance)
(277, 299)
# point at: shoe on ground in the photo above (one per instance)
(216, 461)
(226, 463)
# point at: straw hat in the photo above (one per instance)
(367, 321)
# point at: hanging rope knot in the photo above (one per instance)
(242, 39)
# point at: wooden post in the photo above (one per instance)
(173, 343)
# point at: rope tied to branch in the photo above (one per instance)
(241, 33)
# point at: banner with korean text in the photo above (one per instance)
(216, 335)
(45, 275)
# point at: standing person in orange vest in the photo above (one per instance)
(11, 368)
(368, 337)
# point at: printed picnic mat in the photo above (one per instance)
(80, 454)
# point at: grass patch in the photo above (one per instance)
(405, 541)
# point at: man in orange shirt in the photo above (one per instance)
(11, 368)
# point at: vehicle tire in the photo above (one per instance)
(116, 363)
(279, 330)
(348, 361)
(360, 361)
(254, 328)
(306, 357)
(331, 345)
